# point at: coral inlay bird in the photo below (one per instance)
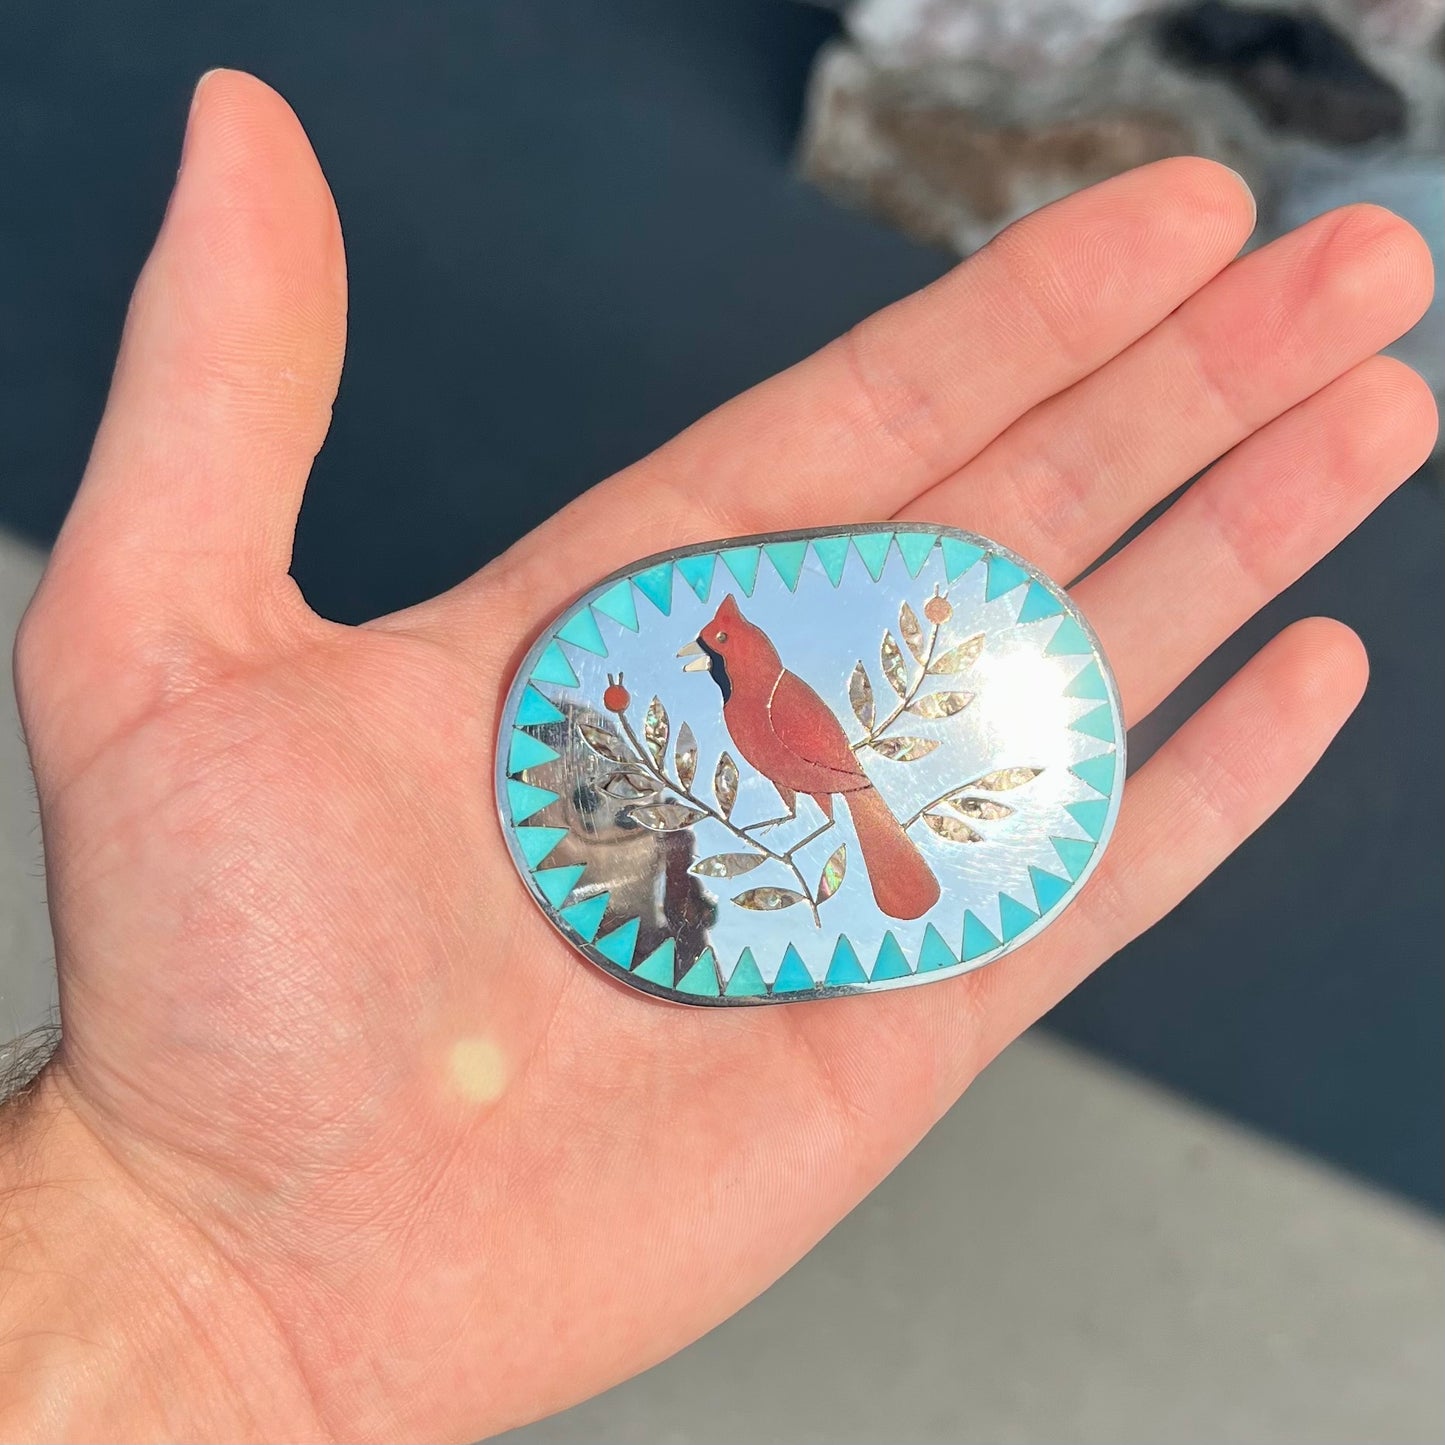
(790, 735)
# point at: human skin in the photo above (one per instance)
(341, 1139)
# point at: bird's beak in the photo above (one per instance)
(700, 662)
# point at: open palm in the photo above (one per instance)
(356, 1121)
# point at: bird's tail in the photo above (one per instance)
(903, 883)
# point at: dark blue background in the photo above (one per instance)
(572, 227)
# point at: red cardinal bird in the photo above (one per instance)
(789, 734)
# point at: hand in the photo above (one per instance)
(341, 1138)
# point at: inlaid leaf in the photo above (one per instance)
(727, 865)
(986, 810)
(940, 704)
(1004, 779)
(768, 900)
(860, 694)
(630, 785)
(833, 871)
(955, 830)
(684, 756)
(725, 784)
(654, 730)
(904, 750)
(960, 657)
(665, 817)
(912, 631)
(603, 743)
(893, 668)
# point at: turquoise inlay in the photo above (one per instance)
(746, 981)
(534, 709)
(1003, 576)
(619, 604)
(536, 843)
(1098, 772)
(1090, 815)
(697, 573)
(528, 752)
(1014, 916)
(1069, 641)
(872, 547)
(742, 562)
(659, 965)
(581, 631)
(619, 945)
(832, 552)
(914, 548)
(892, 962)
(525, 800)
(556, 883)
(1088, 684)
(553, 666)
(1039, 602)
(1074, 853)
(788, 557)
(701, 978)
(958, 556)
(656, 585)
(792, 977)
(1096, 724)
(934, 952)
(845, 967)
(1048, 888)
(585, 918)
(977, 940)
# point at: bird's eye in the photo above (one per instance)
(722, 637)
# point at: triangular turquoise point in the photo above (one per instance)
(585, 918)
(977, 940)
(619, 945)
(1098, 772)
(536, 843)
(891, 962)
(524, 799)
(581, 631)
(1090, 815)
(656, 585)
(1096, 724)
(556, 883)
(534, 709)
(1004, 575)
(1014, 916)
(832, 553)
(553, 666)
(934, 952)
(1088, 684)
(873, 549)
(528, 752)
(1074, 853)
(697, 572)
(1069, 640)
(793, 975)
(659, 965)
(1048, 888)
(958, 556)
(1039, 602)
(619, 604)
(787, 557)
(844, 966)
(914, 548)
(742, 562)
(701, 979)
(746, 981)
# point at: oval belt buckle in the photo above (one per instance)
(780, 768)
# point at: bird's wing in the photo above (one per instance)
(805, 725)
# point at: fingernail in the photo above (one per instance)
(1248, 191)
(191, 114)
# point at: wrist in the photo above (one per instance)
(118, 1320)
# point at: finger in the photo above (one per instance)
(1275, 327)
(226, 374)
(1262, 517)
(856, 430)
